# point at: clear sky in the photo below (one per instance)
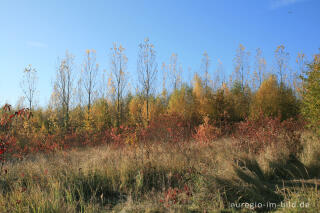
(37, 32)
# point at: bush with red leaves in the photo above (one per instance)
(168, 128)
(176, 196)
(8, 145)
(206, 132)
(255, 135)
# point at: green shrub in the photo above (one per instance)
(311, 94)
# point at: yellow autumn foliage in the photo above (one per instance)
(274, 100)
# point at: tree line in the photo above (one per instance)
(77, 104)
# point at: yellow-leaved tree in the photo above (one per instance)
(182, 102)
(266, 99)
(135, 110)
(274, 100)
(203, 97)
(239, 101)
(138, 113)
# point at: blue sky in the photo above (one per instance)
(37, 32)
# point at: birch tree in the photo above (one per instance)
(29, 85)
(63, 86)
(242, 65)
(118, 78)
(89, 76)
(205, 68)
(281, 63)
(174, 71)
(301, 69)
(259, 67)
(147, 70)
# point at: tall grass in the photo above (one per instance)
(185, 177)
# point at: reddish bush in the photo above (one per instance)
(8, 143)
(255, 135)
(206, 132)
(176, 196)
(167, 128)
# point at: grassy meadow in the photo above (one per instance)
(164, 177)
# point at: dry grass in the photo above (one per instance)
(163, 177)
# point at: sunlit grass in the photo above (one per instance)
(159, 177)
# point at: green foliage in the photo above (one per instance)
(311, 94)
(289, 104)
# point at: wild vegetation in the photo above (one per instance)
(247, 144)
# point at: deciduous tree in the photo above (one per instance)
(147, 70)
(311, 94)
(63, 86)
(259, 68)
(175, 70)
(29, 85)
(242, 65)
(89, 75)
(281, 63)
(118, 78)
(205, 65)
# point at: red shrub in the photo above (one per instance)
(176, 196)
(206, 132)
(254, 135)
(167, 128)
(8, 143)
